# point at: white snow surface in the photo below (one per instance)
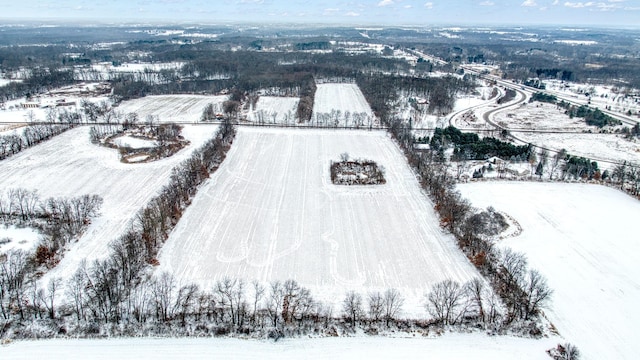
(547, 117)
(21, 238)
(448, 346)
(14, 113)
(275, 110)
(271, 213)
(171, 108)
(133, 142)
(4, 82)
(69, 165)
(580, 237)
(332, 97)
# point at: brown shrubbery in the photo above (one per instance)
(357, 172)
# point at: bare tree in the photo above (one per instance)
(352, 307)
(52, 288)
(258, 293)
(13, 280)
(376, 306)
(392, 302)
(555, 163)
(475, 291)
(537, 293)
(163, 290)
(185, 301)
(274, 302)
(75, 290)
(446, 302)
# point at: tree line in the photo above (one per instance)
(30, 135)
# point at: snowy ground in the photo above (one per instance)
(598, 147)
(14, 113)
(581, 238)
(598, 95)
(133, 142)
(449, 346)
(541, 116)
(21, 238)
(171, 108)
(547, 117)
(69, 165)
(274, 109)
(271, 213)
(4, 82)
(343, 98)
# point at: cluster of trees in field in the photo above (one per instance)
(30, 135)
(167, 137)
(59, 220)
(356, 172)
(470, 146)
(593, 117)
(627, 176)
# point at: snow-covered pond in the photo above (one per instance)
(133, 142)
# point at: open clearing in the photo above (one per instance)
(69, 165)
(579, 236)
(271, 213)
(345, 98)
(275, 110)
(449, 346)
(542, 116)
(172, 108)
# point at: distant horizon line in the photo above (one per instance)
(161, 22)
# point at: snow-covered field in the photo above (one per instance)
(69, 165)
(333, 102)
(598, 147)
(618, 99)
(581, 237)
(171, 108)
(271, 213)
(449, 346)
(542, 116)
(49, 103)
(274, 110)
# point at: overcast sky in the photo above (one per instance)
(382, 12)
